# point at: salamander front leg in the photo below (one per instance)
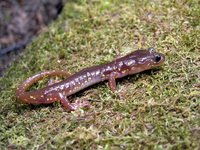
(112, 82)
(71, 106)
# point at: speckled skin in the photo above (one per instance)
(132, 63)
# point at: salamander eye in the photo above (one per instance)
(151, 50)
(157, 58)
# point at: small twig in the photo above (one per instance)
(15, 47)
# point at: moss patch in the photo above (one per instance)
(160, 107)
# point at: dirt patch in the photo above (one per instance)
(20, 21)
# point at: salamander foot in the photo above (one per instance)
(72, 106)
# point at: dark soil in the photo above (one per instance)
(20, 22)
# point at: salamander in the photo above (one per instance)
(132, 63)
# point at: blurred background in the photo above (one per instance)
(20, 22)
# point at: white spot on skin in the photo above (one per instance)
(97, 72)
(93, 73)
(130, 62)
(108, 68)
(88, 74)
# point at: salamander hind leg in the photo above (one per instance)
(112, 83)
(72, 106)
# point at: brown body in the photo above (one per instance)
(132, 63)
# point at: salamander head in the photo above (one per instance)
(145, 59)
(155, 60)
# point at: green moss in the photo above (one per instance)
(160, 108)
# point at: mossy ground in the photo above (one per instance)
(160, 107)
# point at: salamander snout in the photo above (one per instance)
(157, 58)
